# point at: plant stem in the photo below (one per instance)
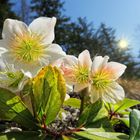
(83, 94)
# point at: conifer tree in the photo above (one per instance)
(5, 12)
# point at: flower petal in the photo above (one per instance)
(67, 96)
(79, 87)
(84, 59)
(99, 62)
(70, 61)
(13, 27)
(54, 52)
(116, 69)
(44, 26)
(69, 88)
(2, 47)
(114, 94)
(33, 68)
(94, 95)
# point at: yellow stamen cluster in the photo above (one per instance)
(101, 80)
(27, 48)
(81, 74)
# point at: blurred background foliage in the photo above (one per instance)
(73, 37)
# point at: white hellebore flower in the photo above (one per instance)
(77, 70)
(30, 47)
(103, 76)
(11, 78)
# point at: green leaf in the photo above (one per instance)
(27, 96)
(11, 79)
(95, 115)
(92, 135)
(49, 92)
(73, 102)
(135, 125)
(125, 104)
(125, 121)
(67, 138)
(22, 136)
(13, 109)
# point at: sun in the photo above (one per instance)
(123, 43)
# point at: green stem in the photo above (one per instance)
(83, 94)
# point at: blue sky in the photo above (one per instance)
(122, 15)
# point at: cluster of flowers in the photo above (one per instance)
(29, 48)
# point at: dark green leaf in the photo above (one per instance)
(95, 115)
(135, 125)
(22, 136)
(92, 135)
(13, 109)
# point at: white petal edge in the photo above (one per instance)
(117, 69)
(54, 52)
(85, 59)
(13, 27)
(45, 27)
(70, 61)
(114, 94)
(99, 62)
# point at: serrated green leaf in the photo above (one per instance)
(24, 135)
(135, 125)
(13, 109)
(92, 135)
(73, 102)
(49, 92)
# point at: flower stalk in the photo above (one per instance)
(83, 95)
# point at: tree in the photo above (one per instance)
(77, 36)
(25, 10)
(101, 41)
(5, 12)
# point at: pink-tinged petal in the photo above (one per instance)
(12, 27)
(58, 62)
(114, 93)
(99, 62)
(115, 69)
(45, 27)
(79, 87)
(84, 59)
(69, 61)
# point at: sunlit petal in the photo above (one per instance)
(45, 27)
(84, 59)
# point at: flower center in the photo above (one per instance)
(27, 48)
(101, 80)
(82, 74)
